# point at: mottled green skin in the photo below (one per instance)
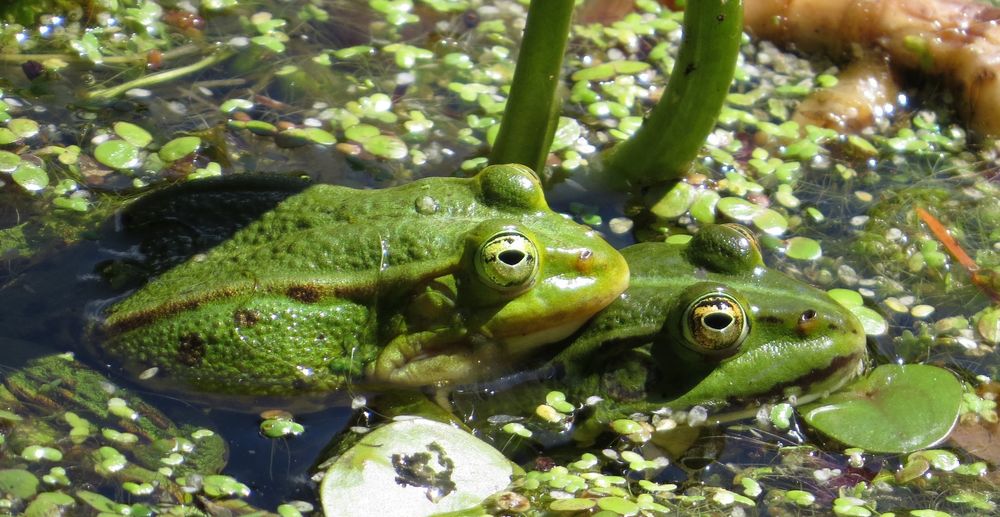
(631, 352)
(339, 286)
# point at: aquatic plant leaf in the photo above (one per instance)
(803, 248)
(31, 177)
(117, 154)
(417, 467)
(133, 134)
(8, 161)
(895, 408)
(18, 483)
(179, 148)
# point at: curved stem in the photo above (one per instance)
(529, 119)
(161, 77)
(677, 127)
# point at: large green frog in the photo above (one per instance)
(707, 323)
(443, 280)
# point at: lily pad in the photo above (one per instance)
(417, 467)
(895, 408)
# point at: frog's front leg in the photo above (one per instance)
(424, 358)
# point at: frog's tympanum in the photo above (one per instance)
(443, 280)
(707, 323)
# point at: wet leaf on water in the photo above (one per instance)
(117, 154)
(7, 136)
(386, 146)
(576, 504)
(873, 322)
(361, 133)
(988, 325)
(618, 505)
(770, 222)
(133, 134)
(738, 209)
(674, 202)
(48, 503)
(259, 127)
(99, 502)
(23, 127)
(703, 208)
(31, 177)
(895, 408)
(450, 470)
(18, 483)
(846, 297)
(803, 248)
(8, 161)
(610, 70)
(179, 148)
(235, 105)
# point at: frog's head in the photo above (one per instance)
(743, 331)
(535, 277)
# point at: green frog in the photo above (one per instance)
(706, 323)
(436, 282)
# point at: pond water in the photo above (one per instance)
(379, 93)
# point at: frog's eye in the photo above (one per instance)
(715, 324)
(507, 261)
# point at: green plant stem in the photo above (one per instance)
(110, 60)
(532, 111)
(161, 77)
(676, 129)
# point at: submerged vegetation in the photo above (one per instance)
(103, 99)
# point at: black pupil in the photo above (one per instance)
(511, 257)
(807, 315)
(718, 320)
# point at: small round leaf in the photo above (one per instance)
(895, 408)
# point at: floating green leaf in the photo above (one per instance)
(18, 483)
(31, 177)
(803, 248)
(133, 134)
(738, 209)
(117, 154)
(873, 322)
(386, 146)
(179, 148)
(895, 408)
(23, 127)
(674, 202)
(8, 161)
(770, 222)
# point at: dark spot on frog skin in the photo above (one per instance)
(191, 350)
(304, 293)
(245, 318)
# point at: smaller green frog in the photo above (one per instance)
(707, 323)
(440, 281)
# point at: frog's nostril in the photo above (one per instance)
(511, 257)
(808, 322)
